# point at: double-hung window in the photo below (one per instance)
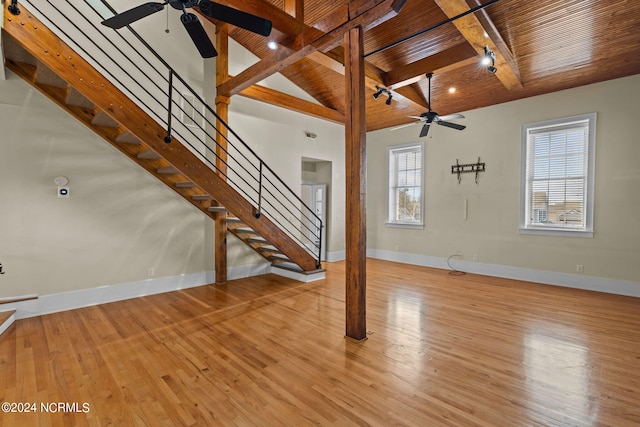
(405, 189)
(558, 176)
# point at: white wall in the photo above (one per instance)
(491, 228)
(118, 222)
(278, 137)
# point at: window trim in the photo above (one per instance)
(395, 224)
(589, 202)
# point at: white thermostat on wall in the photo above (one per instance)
(61, 180)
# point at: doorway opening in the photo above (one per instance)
(315, 193)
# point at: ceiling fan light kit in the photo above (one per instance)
(191, 23)
(432, 117)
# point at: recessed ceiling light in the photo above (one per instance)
(452, 90)
(272, 45)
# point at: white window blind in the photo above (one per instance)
(558, 175)
(405, 196)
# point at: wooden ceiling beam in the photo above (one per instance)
(479, 36)
(295, 8)
(416, 71)
(366, 14)
(274, 97)
(334, 60)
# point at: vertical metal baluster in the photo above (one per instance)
(259, 193)
(167, 138)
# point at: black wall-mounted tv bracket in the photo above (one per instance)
(467, 168)
(13, 7)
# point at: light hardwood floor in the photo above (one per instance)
(441, 350)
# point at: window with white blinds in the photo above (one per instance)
(405, 195)
(557, 176)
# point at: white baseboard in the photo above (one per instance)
(336, 256)
(54, 303)
(47, 304)
(243, 271)
(577, 281)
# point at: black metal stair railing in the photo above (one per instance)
(134, 67)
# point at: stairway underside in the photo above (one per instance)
(38, 56)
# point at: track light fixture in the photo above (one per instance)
(489, 60)
(382, 90)
(13, 7)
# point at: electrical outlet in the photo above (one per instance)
(459, 253)
(150, 272)
(579, 268)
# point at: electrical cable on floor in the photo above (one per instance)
(454, 271)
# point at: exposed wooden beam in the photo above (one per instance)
(416, 71)
(295, 8)
(308, 42)
(474, 32)
(494, 35)
(334, 60)
(274, 97)
(356, 186)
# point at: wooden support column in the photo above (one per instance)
(222, 109)
(356, 185)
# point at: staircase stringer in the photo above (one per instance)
(58, 57)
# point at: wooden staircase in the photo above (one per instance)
(38, 56)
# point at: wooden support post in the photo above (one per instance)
(222, 109)
(356, 186)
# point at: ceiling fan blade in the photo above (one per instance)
(127, 17)
(236, 17)
(198, 35)
(452, 116)
(425, 130)
(417, 117)
(451, 125)
(404, 126)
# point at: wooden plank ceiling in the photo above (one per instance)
(540, 47)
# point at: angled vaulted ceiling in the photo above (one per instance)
(540, 47)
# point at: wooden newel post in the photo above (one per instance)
(356, 186)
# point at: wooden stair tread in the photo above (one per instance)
(15, 52)
(185, 184)
(45, 76)
(127, 138)
(169, 170)
(76, 99)
(103, 119)
(148, 155)
(217, 209)
(201, 197)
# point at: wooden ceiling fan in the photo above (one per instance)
(191, 23)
